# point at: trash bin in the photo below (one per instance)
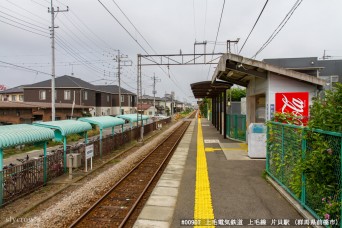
(257, 140)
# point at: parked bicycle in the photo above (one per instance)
(10, 180)
(29, 174)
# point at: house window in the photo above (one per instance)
(21, 97)
(42, 95)
(122, 98)
(67, 94)
(14, 97)
(85, 95)
(107, 98)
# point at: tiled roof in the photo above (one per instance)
(18, 89)
(63, 82)
(114, 89)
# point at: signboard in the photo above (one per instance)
(296, 103)
(89, 151)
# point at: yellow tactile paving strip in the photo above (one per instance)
(203, 213)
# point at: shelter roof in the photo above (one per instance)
(133, 117)
(240, 70)
(65, 127)
(103, 121)
(207, 89)
(18, 134)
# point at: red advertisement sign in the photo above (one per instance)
(296, 103)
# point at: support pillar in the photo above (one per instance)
(225, 114)
(219, 113)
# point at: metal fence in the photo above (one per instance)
(236, 126)
(25, 178)
(307, 164)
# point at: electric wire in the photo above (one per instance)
(22, 20)
(23, 29)
(134, 26)
(44, 19)
(263, 8)
(131, 36)
(28, 27)
(218, 30)
(26, 68)
(279, 28)
(194, 12)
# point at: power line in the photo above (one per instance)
(29, 27)
(193, 7)
(123, 27)
(134, 27)
(27, 11)
(132, 35)
(280, 27)
(254, 25)
(218, 30)
(22, 20)
(8, 9)
(25, 68)
(23, 29)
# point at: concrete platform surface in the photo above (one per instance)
(238, 190)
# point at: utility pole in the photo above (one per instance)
(154, 91)
(53, 98)
(119, 60)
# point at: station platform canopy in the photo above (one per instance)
(240, 70)
(207, 89)
(13, 135)
(103, 121)
(64, 128)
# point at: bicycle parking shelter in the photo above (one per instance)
(104, 122)
(14, 135)
(63, 128)
(132, 118)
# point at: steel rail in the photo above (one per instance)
(85, 214)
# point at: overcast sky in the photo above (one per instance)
(88, 36)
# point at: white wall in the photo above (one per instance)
(279, 83)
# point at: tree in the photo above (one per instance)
(204, 107)
(326, 113)
(237, 94)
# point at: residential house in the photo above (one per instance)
(160, 103)
(108, 100)
(15, 112)
(329, 70)
(147, 109)
(13, 94)
(103, 99)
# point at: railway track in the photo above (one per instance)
(115, 207)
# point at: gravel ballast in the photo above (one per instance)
(65, 211)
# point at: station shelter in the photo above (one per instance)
(269, 89)
(104, 122)
(63, 128)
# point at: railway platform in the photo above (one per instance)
(211, 181)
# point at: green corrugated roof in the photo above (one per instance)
(133, 117)
(12, 135)
(103, 121)
(65, 127)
